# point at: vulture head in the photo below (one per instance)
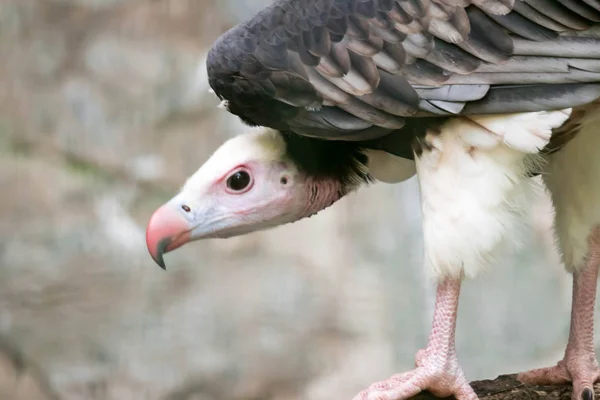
(262, 179)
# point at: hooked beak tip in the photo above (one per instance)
(160, 251)
(166, 231)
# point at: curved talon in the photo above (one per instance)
(441, 382)
(582, 371)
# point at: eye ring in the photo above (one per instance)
(238, 182)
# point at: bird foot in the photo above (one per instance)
(581, 370)
(442, 376)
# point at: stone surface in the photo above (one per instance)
(104, 111)
(507, 387)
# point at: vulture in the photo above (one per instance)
(474, 97)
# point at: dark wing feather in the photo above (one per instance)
(358, 69)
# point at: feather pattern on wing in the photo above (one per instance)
(360, 69)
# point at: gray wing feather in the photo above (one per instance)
(582, 9)
(354, 69)
(538, 17)
(595, 4)
(585, 64)
(533, 98)
(519, 25)
(452, 107)
(563, 47)
(527, 78)
(453, 92)
(556, 11)
(529, 64)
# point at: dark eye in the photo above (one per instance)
(238, 181)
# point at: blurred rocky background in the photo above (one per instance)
(104, 111)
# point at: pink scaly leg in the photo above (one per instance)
(579, 364)
(437, 365)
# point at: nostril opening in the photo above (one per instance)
(283, 180)
(186, 208)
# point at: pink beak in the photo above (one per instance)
(166, 231)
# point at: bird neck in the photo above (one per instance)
(320, 194)
(325, 160)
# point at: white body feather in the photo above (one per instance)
(572, 176)
(474, 187)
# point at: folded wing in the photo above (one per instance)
(357, 69)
